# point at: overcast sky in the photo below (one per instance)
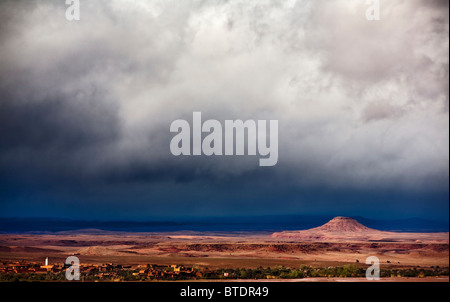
(86, 107)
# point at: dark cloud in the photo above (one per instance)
(56, 124)
(438, 4)
(85, 107)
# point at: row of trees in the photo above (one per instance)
(351, 270)
(280, 272)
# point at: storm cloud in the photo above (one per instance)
(86, 106)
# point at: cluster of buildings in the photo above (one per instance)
(153, 271)
(109, 271)
(22, 267)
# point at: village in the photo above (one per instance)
(43, 271)
(34, 271)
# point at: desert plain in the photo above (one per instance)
(341, 241)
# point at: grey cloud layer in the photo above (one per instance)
(359, 103)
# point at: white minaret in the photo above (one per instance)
(46, 261)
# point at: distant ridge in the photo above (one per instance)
(337, 227)
(345, 228)
(265, 223)
(343, 224)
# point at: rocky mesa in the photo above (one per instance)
(348, 229)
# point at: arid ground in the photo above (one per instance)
(336, 243)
